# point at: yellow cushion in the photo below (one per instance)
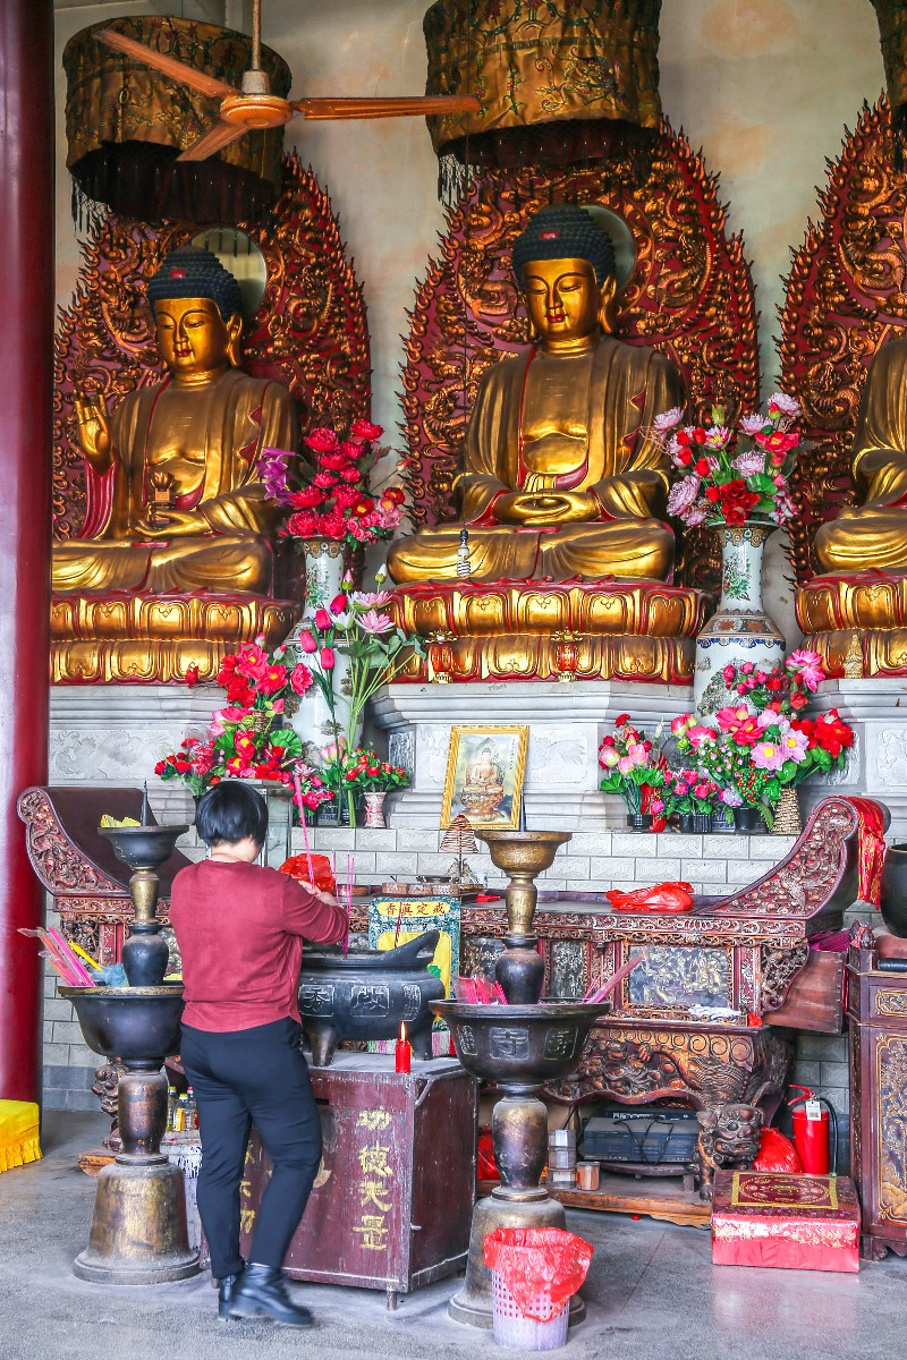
(18, 1133)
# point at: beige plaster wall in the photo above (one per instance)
(764, 86)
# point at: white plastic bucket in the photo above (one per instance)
(519, 1333)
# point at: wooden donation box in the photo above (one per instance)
(392, 1203)
(793, 1222)
(877, 1011)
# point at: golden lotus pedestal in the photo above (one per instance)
(99, 638)
(857, 623)
(583, 630)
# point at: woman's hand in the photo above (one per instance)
(327, 898)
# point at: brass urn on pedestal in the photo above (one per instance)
(138, 1228)
(518, 1047)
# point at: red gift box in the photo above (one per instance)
(793, 1222)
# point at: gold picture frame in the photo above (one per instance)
(486, 767)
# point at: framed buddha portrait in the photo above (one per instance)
(486, 767)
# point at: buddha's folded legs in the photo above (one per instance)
(495, 554)
(861, 538)
(640, 549)
(230, 563)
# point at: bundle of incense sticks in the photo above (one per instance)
(305, 831)
(350, 869)
(61, 957)
(478, 991)
(596, 994)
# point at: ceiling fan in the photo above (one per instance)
(254, 107)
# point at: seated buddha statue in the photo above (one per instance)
(562, 476)
(873, 534)
(174, 499)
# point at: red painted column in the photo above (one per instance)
(26, 396)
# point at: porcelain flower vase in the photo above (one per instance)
(739, 630)
(325, 563)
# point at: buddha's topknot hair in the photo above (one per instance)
(194, 272)
(565, 231)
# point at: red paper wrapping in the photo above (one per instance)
(538, 1263)
(792, 1222)
(297, 866)
(666, 897)
(872, 849)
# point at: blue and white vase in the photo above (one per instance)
(739, 630)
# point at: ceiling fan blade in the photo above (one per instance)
(177, 70)
(316, 109)
(221, 135)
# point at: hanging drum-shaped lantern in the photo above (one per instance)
(892, 17)
(556, 83)
(126, 124)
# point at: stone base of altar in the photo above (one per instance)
(860, 617)
(116, 734)
(153, 639)
(876, 707)
(566, 725)
(542, 630)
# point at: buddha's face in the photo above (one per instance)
(193, 337)
(564, 300)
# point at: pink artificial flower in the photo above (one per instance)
(668, 420)
(779, 403)
(696, 515)
(307, 641)
(682, 495)
(373, 599)
(656, 807)
(729, 673)
(717, 437)
(338, 604)
(809, 664)
(230, 714)
(323, 619)
(749, 463)
(747, 668)
(327, 658)
(753, 424)
(373, 622)
(699, 734)
(608, 757)
(682, 723)
(624, 764)
(729, 719)
(768, 755)
(794, 745)
(253, 660)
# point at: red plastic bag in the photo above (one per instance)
(776, 1153)
(664, 897)
(538, 1263)
(297, 866)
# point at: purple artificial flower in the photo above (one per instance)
(731, 798)
(793, 745)
(750, 462)
(768, 755)
(272, 469)
(668, 420)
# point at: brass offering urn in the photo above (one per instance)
(518, 1047)
(138, 1228)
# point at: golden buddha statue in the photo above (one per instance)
(855, 612)
(874, 533)
(563, 478)
(174, 499)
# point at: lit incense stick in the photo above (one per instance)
(305, 830)
(349, 903)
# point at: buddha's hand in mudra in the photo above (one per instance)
(538, 509)
(94, 431)
(171, 524)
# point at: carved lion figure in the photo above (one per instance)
(728, 1138)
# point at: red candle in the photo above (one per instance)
(402, 1052)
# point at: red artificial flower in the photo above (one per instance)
(192, 676)
(181, 766)
(240, 693)
(363, 506)
(777, 442)
(346, 496)
(365, 430)
(325, 479)
(333, 526)
(334, 462)
(734, 515)
(774, 683)
(702, 467)
(307, 641)
(300, 677)
(300, 525)
(684, 457)
(160, 767)
(683, 438)
(798, 701)
(308, 498)
(274, 679)
(394, 494)
(351, 475)
(338, 604)
(699, 435)
(621, 719)
(712, 494)
(322, 440)
(327, 659)
(323, 619)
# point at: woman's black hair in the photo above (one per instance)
(231, 811)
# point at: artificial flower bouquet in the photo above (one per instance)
(724, 480)
(355, 626)
(247, 739)
(360, 770)
(758, 743)
(331, 498)
(632, 768)
(689, 793)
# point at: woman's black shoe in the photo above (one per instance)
(226, 1293)
(262, 1292)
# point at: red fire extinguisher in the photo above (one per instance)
(811, 1126)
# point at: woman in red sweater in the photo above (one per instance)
(239, 928)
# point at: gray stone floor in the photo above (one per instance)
(652, 1293)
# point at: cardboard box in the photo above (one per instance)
(792, 1222)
